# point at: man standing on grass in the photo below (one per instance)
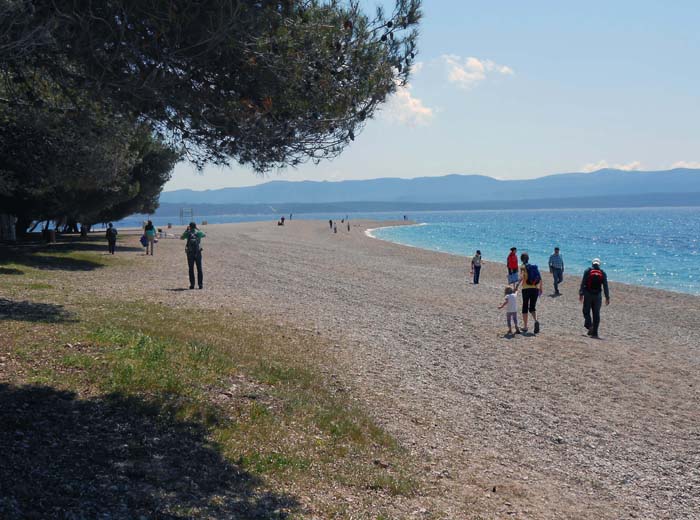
(111, 235)
(593, 284)
(556, 267)
(193, 248)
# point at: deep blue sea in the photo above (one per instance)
(653, 247)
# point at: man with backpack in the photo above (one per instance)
(193, 248)
(593, 284)
(531, 281)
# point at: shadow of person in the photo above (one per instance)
(34, 311)
(117, 457)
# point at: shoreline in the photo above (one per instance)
(502, 264)
(561, 425)
(571, 425)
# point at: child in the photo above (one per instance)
(512, 309)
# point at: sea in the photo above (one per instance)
(650, 247)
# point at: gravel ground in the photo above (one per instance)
(556, 425)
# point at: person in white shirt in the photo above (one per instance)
(511, 304)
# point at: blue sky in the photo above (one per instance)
(515, 90)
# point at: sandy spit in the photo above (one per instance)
(558, 424)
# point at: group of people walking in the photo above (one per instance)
(193, 247)
(526, 277)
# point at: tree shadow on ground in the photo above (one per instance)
(42, 256)
(10, 271)
(34, 311)
(48, 262)
(117, 457)
(99, 246)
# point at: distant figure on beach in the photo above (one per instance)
(512, 264)
(476, 266)
(290, 216)
(282, 220)
(150, 232)
(404, 217)
(511, 302)
(330, 223)
(593, 284)
(111, 235)
(531, 281)
(335, 227)
(193, 249)
(556, 267)
(348, 225)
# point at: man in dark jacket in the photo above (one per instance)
(593, 285)
(193, 248)
(111, 235)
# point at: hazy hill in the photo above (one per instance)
(449, 189)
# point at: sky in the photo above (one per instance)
(517, 90)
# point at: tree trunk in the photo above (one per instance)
(21, 226)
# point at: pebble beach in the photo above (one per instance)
(557, 425)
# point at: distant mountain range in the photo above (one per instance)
(459, 190)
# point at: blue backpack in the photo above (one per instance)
(533, 274)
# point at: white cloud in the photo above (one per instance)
(403, 108)
(417, 67)
(686, 164)
(469, 72)
(601, 165)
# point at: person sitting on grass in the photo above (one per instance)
(511, 301)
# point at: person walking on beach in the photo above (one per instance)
(476, 266)
(531, 281)
(511, 302)
(330, 223)
(556, 267)
(193, 248)
(111, 235)
(512, 264)
(150, 232)
(593, 284)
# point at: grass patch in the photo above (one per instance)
(256, 388)
(37, 286)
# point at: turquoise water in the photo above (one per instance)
(654, 247)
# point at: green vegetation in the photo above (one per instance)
(256, 388)
(99, 100)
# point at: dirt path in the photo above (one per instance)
(561, 426)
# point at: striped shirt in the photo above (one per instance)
(556, 261)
